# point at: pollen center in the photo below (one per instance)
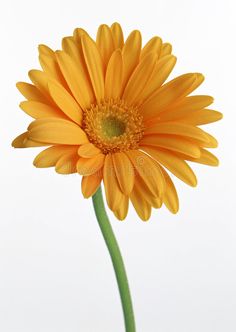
(113, 126)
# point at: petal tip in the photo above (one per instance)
(193, 183)
(18, 84)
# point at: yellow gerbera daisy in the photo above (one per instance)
(103, 110)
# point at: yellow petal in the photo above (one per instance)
(40, 80)
(122, 210)
(167, 94)
(185, 106)
(157, 204)
(146, 193)
(29, 143)
(50, 156)
(153, 45)
(67, 163)
(78, 33)
(198, 81)
(39, 110)
(76, 80)
(172, 142)
(166, 49)
(114, 76)
(88, 150)
(71, 48)
(45, 50)
(88, 166)
(161, 71)
(112, 190)
(18, 142)
(94, 65)
(117, 35)
(30, 92)
(206, 158)
(201, 117)
(131, 54)
(211, 142)
(177, 128)
(65, 102)
(23, 141)
(56, 131)
(49, 64)
(139, 79)
(90, 184)
(148, 170)
(105, 43)
(170, 197)
(142, 207)
(174, 164)
(124, 172)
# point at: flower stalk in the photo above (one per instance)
(117, 260)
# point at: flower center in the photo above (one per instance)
(113, 126)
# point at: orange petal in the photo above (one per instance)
(168, 94)
(56, 131)
(161, 71)
(172, 142)
(88, 150)
(131, 53)
(73, 47)
(175, 165)
(50, 156)
(177, 128)
(153, 45)
(88, 166)
(117, 35)
(124, 172)
(30, 92)
(65, 102)
(94, 65)
(166, 49)
(206, 158)
(201, 117)
(114, 76)
(78, 33)
(70, 46)
(170, 197)
(18, 142)
(211, 142)
(39, 110)
(40, 80)
(149, 197)
(45, 50)
(49, 64)
(139, 79)
(23, 141)
(142, 207)
(148, 170)
(105, 43)
(67, 163)
(90, 184)
(122, 210)
(76, 79)
(185, 106)
(112, 190)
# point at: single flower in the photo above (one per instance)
(102, 109)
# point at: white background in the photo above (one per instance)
(55, 272)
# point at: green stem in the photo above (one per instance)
(117, 260)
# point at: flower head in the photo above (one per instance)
(102, 109)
